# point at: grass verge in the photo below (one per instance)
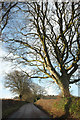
(9, 106)
(59, 107)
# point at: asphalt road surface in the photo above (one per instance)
(29, 111)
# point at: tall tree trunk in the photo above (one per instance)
(64, 86)
(65, 90)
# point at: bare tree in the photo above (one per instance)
(37, 89)
(18, 83)
(49, 42)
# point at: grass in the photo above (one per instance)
(58, 108)
(75, 107)
(9, 106)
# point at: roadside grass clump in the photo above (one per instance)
(9, 106)
(75, 107)
(59, 106)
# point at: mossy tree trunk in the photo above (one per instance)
(63, 83)
(65, 89)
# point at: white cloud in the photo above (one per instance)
(74, 89)
(4, 66)
(52, 90)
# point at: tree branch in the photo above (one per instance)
(76, 80)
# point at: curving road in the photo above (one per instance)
(29, 111)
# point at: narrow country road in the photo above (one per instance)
(29, 111)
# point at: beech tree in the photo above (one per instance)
(48, 42)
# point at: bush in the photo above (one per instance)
(75, 107)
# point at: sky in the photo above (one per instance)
(6, 67)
